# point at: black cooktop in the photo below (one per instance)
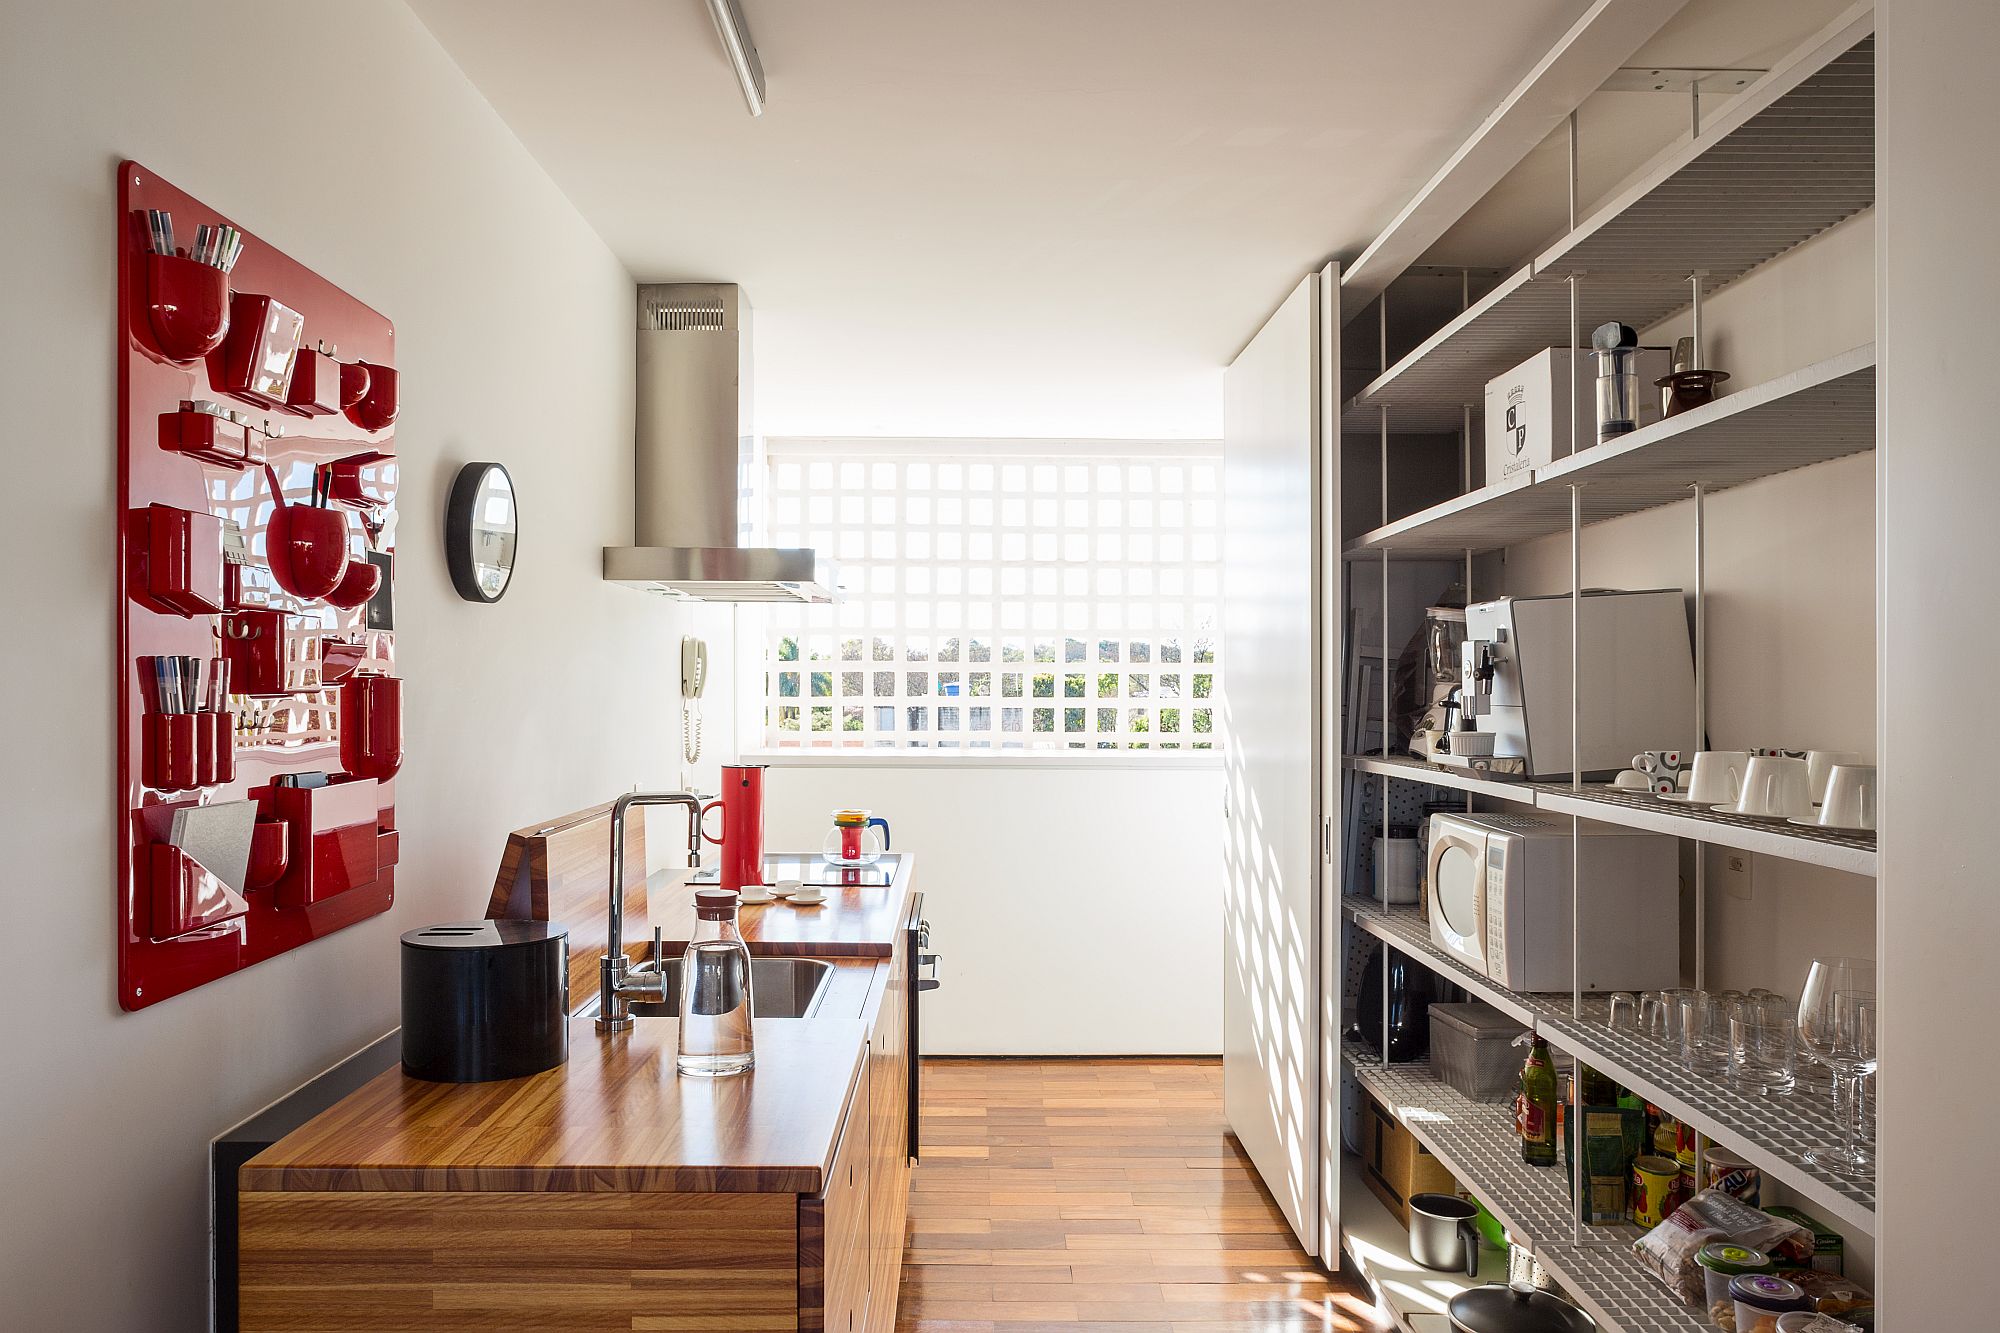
(814, 869)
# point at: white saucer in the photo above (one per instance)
(753, 900)
(1827, 828)
(1751, 814)
(801, 900)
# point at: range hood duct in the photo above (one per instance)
(699, 465)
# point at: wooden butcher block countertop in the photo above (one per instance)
(613, 1117)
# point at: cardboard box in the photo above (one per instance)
(1395, 1165)
(1527, 413)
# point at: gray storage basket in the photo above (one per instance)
(1472, 1046)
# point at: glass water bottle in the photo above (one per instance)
(716, 1036)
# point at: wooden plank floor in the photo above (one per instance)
(1066, 1195)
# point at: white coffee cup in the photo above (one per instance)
(753, 895)
(1718, 776)
(1850, 797)
(1775, 787)
(1631, 779)
(1819, 764)
(1472, 744)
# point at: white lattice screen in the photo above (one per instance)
(1003, 595)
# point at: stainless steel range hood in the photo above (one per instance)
(699, 472)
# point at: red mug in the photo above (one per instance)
(371, 726)
(741, 835)
(216, 756)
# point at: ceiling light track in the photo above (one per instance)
(734, 31)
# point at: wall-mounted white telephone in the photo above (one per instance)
(694, 678)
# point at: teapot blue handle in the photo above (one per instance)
(882, 824)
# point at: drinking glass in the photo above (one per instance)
(1624, 1011)
(1763, 1049)
(1837, 1025)
(1704, 1035)
(1653, 1014)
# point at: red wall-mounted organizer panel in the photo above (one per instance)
(256, 526)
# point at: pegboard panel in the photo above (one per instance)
(260, 717)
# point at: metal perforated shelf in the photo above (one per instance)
(1852, 852)
(1475, 1141)
(1822, 412)
(1792, 155)
(1773, 1134)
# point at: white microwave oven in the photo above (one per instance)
(1500, 902)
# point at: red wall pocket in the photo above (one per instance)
(238, 583)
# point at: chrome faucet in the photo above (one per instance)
(617, 985)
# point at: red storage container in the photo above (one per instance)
(315, 386)
(186, 895)
(187, 306)
(255, 363)
(333, 840)
(182, 554)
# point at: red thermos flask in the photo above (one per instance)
(741, 831)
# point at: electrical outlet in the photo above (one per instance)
(1736, 874)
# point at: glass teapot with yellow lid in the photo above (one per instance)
(855, 840)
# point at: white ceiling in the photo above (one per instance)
(996, 217)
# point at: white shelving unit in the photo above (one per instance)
(1789, 157)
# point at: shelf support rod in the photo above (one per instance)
(1694, 109)
(1573, 159)
(1384, 416)
(1576, 1189)
(1700, 716)
(1575, 342)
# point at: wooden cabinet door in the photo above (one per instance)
(842, 1220)
(889, 1059)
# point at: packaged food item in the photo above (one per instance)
(1829, 1249)
(1830, 1293)
(1760, 1298)
(1733, 1175)
(1668, 1250)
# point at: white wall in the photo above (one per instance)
(384, 171)
(1078, 908)
(1940, 548)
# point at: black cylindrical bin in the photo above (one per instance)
(485, 1000)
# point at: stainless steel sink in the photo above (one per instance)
(779, 988)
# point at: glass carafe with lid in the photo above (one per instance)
(716, 1033)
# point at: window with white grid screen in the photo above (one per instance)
(1000, 595)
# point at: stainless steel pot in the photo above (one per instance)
(1515, 1309)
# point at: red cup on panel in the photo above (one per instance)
(270, 852)
(377, 408)
(371, 726)
(741, 831)
(187, 896)
(353, 383)
(361, 581)
(187, 306)
(218, 748)
(315, 387)
(307, 548)
(173, 751)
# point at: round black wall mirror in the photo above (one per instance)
(482, 525)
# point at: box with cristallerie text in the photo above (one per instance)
(1527, 414)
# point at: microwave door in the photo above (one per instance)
(1458, 898)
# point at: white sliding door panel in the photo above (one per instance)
(1273, 409)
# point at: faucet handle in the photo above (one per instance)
(660, 949)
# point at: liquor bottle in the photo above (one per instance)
(1535, 1107)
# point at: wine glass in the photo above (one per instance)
(1837, 1025)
